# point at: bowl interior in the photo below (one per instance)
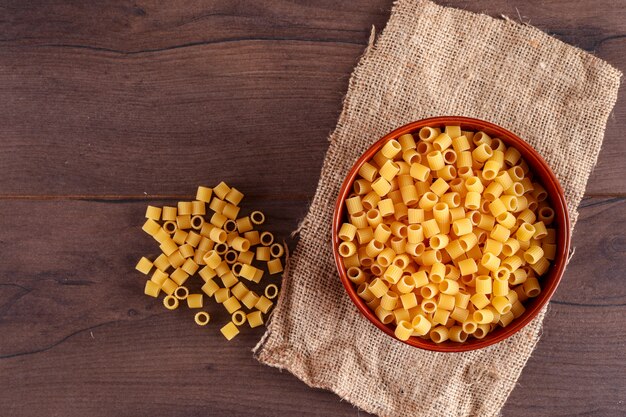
(542, 174)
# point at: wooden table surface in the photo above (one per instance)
(108, 106)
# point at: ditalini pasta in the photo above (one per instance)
(446, 235)
(211, 236)
(202, 318)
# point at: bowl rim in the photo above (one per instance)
(551, 183)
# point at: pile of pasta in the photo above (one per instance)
(447, 234)
(219, 246)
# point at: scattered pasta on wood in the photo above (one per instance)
(222, 248)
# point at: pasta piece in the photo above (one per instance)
(517, 309)
(210, 288)
(169, 213)
(180, 236)
(204, 194)
(202, 318)
(479, 301)
(190, 267)
(408, 300)
(230, 256)
(217, 205)
(162, 262)
(222, 248)
(153, 213)
(381, 186)
(159, 277)
(501, 304)
(391, 148)
(271, 291)
(221, 190)
(218, 220)
(240, 244)
(500, 287)
(244, 224)
(151, 227)
(181, 293)
(263, 304)
(144, 265)
(239, 290)
(194, 300)
(184, 208)
(239, 318)
(531, 287)
(231, 304)
(435, 160)
(500, 233)
(205, 244)
(193, 239)
(257, 217)
(277, 250)
(389, 170)
(533, 254)
(449, 287)
(196, 223)
(164, 239)
(179, 276)
(439, 334)
(483, 316)
(274, 266)
(186, 250)
(217, 235)
(230, 330)
(255, 319)
(403, 330)
(246, 257)
(468, 266)
(228, 279)
(266, 238)
(212, 259)
(170, 302)
(230, 211)
(222, 295)
(168, 247)
(222, 269)
(263, 253)
(198, 208)
(234, 196)
(456, 334)
(439, 187)
(152, 289)
(183, 221)
(252, 237)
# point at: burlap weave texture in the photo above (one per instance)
(430, 61)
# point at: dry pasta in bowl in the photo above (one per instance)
(445, 234)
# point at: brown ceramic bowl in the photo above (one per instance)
(542, 173)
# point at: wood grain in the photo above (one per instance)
(76, 325)
(110, 98)
(106, 106)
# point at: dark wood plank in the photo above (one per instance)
(80, 338)
(599, 254)
(608, 177)
(151, 25)
(164, 123)
(578, 366)
(83, 108)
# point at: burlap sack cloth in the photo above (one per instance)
(430, 61)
